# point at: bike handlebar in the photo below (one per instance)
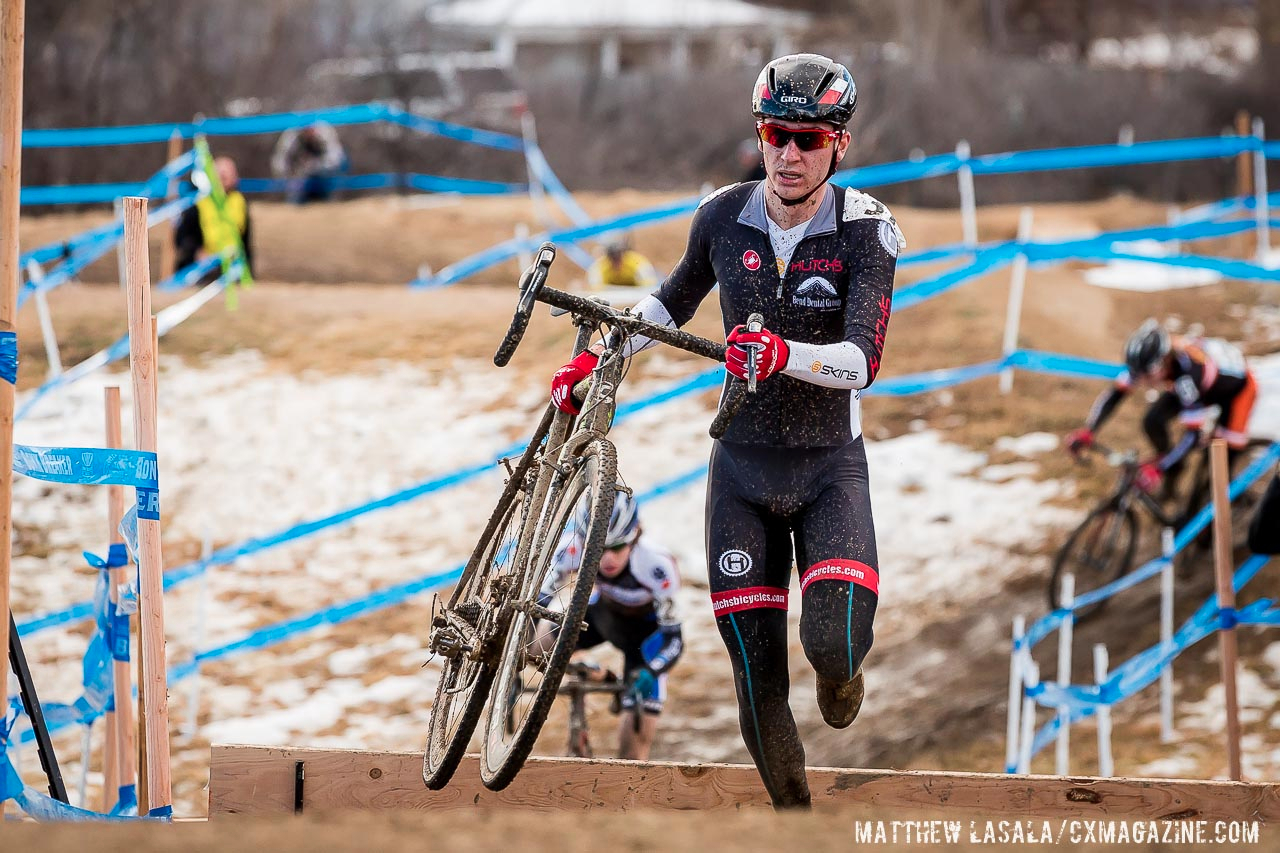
(533, 289)
(1115, 458)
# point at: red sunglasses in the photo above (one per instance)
(806, 140)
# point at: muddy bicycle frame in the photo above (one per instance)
(477, 630)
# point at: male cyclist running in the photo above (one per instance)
(1193, 374)
(633, 608)
(789, 479)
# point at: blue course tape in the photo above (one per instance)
(80, 193)
(394, 180)
(379, 600)
(83, 254)
(1094, 156)
(9, 357)
(167, 319)
(87, 466)
(1144, 668)
(703, 381)
(511, 248)
(1045, 626)
(437, 184)
(153, 187)
(95, 466)
(59, 717)
(869, 176)
(267, 123)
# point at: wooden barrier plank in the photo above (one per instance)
(251, 780)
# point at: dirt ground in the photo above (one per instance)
(301, 320)
(587, 832)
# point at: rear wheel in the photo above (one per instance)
(466, 634)
(544, 630)
(1096, 553)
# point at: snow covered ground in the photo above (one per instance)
(246, 451)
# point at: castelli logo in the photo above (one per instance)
(751, 260)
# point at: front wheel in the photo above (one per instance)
(466, 634)
(544, 630)
(1097, 552)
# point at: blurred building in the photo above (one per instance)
(620, 35)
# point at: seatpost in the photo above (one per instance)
(755, 323)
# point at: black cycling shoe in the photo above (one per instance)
(840, 701)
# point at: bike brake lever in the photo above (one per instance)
(755, 324)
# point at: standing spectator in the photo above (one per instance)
(205, 231)
(310, 161)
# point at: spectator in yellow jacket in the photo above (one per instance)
(204, 231)
(621, 267)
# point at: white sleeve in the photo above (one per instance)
(651, 309)
(842, 365)
(333, 153)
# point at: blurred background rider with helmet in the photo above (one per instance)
(633, 608)
(1192, 374)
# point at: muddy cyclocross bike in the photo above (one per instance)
(503, 637)
(1102, 548)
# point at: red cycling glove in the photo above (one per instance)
(771, 356)
(1148, 477)
(1079, 439)
(563, 380)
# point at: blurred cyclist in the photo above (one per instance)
(633, 608)
(1192, 374)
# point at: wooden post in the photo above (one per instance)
(110, 769)
(1013, 313)
(1244, 160)
(1106, 766)
(1261, 208)
(1066, 633)
(968, 204)
(126, 761)
(11, 45)
(142, 362)
(1166, 634)
(1013, 721)
(1222, 564)
(171, 192)
(141, 717)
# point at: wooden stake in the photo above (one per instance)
(171, 192)
(1244, 160)
(142, 363)
(12, 20)
(124, 748)
(141, 716)
(1222, 564)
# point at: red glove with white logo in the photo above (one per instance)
(563, 380)
(1148, 477)
(771, 355)
(1078, 440)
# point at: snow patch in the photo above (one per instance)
(1031, 444)
(1145, 277)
